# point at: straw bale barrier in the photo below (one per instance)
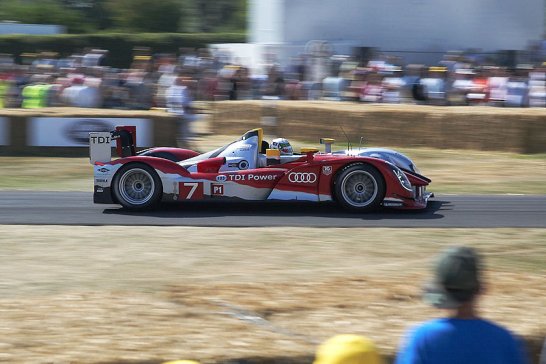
(475, 127)
(163, 126)
(479, 128)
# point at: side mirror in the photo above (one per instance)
(310, 152)
(327, 144)
(273, 156)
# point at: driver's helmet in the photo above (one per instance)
(283, 145)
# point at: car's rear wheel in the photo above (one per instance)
(359, 187)
(137, 187)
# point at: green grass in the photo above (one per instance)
(451, 171)
(541, 156)
(46, 174)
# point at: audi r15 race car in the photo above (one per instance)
(251, 169)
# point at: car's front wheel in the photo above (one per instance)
(137, 187)
(360, 187)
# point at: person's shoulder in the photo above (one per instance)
(498, 328)
(511, 343)
(428, 326)
(440, 321)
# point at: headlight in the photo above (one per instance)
(404, 181)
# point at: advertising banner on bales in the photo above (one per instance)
(74, 132)
(4, 131)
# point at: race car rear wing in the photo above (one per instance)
(100, 144)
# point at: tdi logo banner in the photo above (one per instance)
(251, 177)
(99, 139)
(4, 131)
(74, 132)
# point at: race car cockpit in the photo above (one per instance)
(247, 152)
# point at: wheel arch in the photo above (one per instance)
(126, 166)
(349, 165)
(336, 177)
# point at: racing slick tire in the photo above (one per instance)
(137, 187)
(359, 187)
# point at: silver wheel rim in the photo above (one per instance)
(136, 186)
(359, 188)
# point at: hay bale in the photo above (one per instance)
(479, 128)
(236, 117)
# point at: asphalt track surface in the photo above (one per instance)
(450, 211)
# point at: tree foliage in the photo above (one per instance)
(44, 12)
(94, 11)
(216, 16)
(84, 16)
(146, 15)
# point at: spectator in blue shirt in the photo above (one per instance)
(462, 336)
(543, 353)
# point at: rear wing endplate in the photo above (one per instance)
(100, 144)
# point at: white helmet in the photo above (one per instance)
(283, 145)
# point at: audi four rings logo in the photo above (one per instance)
(302, 177)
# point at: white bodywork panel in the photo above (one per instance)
(100, 149)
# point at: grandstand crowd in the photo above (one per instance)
(85, 80)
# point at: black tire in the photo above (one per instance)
(137, 187)
(359, 187)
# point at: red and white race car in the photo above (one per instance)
(248, 169)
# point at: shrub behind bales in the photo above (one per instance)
(119, 45)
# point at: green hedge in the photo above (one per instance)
(120, 45)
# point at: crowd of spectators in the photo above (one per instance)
(85, 80)
(456, 80)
